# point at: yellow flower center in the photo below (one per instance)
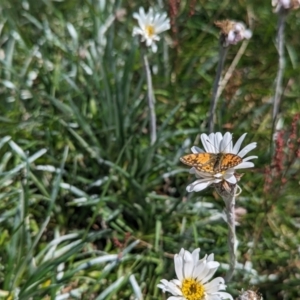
(192, 290)
(150, 30)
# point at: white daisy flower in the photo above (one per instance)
(215, 143)
(150, 25)
(193, 278)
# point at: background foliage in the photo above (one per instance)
(80, 183)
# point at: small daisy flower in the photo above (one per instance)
(233, 32)
(150, 25)
(216, 143)
(193, 278)
(285, 4)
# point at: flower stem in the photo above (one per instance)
(232, 67)
(213, 104)
(281, 63)
(230, 205)
(151, 100)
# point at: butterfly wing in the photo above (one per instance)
(226, 161)
(203, 162)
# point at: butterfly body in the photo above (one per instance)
(212, 163)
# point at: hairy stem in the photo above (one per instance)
(230, 205)
(281, 63)
(213, 104)
(151, 100)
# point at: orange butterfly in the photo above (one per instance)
(212, 163)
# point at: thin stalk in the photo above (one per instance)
(230, 205)
(151, 100)
(281, 63)
(213, 104)
(232, 67)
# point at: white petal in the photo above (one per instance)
(198, 270)
(247, 149)
(176, 298)
(154, 47)
(216, 141)
(178, 262)
(181, 252)
(162, 27)
(199, 185)
(192, 170)
(226, 144)
(168, 286)
(207, 144)
(176, 282)
(148, 42)
(210, 274)
(161, 286)
(210, 257)
(196, 149)
(149, 16)
(245, 165)
(238, 144)
(174, 289)
(203, 274)
(141, 17)
(230, 178)
(223, 295)
(188, 265)
(207, 176)
(195, 255)
(212, 297)
(213, 264)
(211, 136)
(213, 286)
(250, 157)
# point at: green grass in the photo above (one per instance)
(80, 183)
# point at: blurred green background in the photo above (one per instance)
(80, 182)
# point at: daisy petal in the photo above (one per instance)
(195, 149)
(245, 165)
(207, 144)
(178, 261)
(226, 143)
(230, 178)
(223, 295)
(238, 144)
(213, 286)
(195, 255)
(200, 185)
(247, 149)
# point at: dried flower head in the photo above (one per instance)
(285, 4)
(233, 32)
(150, 26)
(250, 295)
